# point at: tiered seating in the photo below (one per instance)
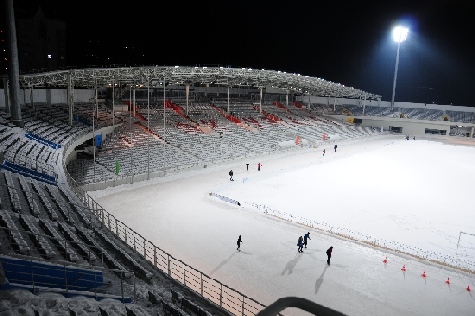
(135, 266)
(65, 249)
(50, 222)
(461, 116)
(18, 240)
(40, 241)
(105, 256)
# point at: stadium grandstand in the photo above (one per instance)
(89, 129)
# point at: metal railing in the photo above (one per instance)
(215, 291)
(206, 286)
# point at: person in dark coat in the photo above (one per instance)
(329, 254)
(300, 244)
(231, 175)
(259, 166)
(239, 241)
(335, 147)
(323, 152)
(305, 237)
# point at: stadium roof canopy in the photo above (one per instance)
(154, 76)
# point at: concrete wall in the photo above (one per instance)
(384, 104)
(49, 96)
(409, 126)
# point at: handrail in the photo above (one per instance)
(216, 292)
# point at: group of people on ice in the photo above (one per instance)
(231, 172)
(301, 243)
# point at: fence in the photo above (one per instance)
(218, 293)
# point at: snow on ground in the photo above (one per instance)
(414, 196)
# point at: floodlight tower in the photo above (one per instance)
(399, 35)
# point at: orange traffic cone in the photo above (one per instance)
(423, 274)
(448, 281)
(385, 260)
(468, 288)
(403, 268)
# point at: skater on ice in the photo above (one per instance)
(300, 244)
(305, 237)
(329, 254)
(231, 175)
(239, 241)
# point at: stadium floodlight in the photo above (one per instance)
(399, 36)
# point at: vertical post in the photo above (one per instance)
(93, 133)
(201, 281)
(260, 100)
(31, 100)
(64, 269)
(113, 125)
(168, 263)
(135, 293)
(221, 295)
(13, 67)
(68, 102)
(148, 127)
(131, 132)
(187, 92)
(122, 285)
(395, 74)
(144, 248)
(364, 103)
(155, 256)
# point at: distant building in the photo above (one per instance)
(41, 42)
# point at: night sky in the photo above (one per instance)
(348, 42)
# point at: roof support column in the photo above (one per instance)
(187, 93)
(70, 97)
(94, 134)
(32, 103)
(364, 103)
(148, 126)
(260, 100)
(13, 67)
(131, 133)
(228, 98)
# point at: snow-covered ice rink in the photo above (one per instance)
(414, 195)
